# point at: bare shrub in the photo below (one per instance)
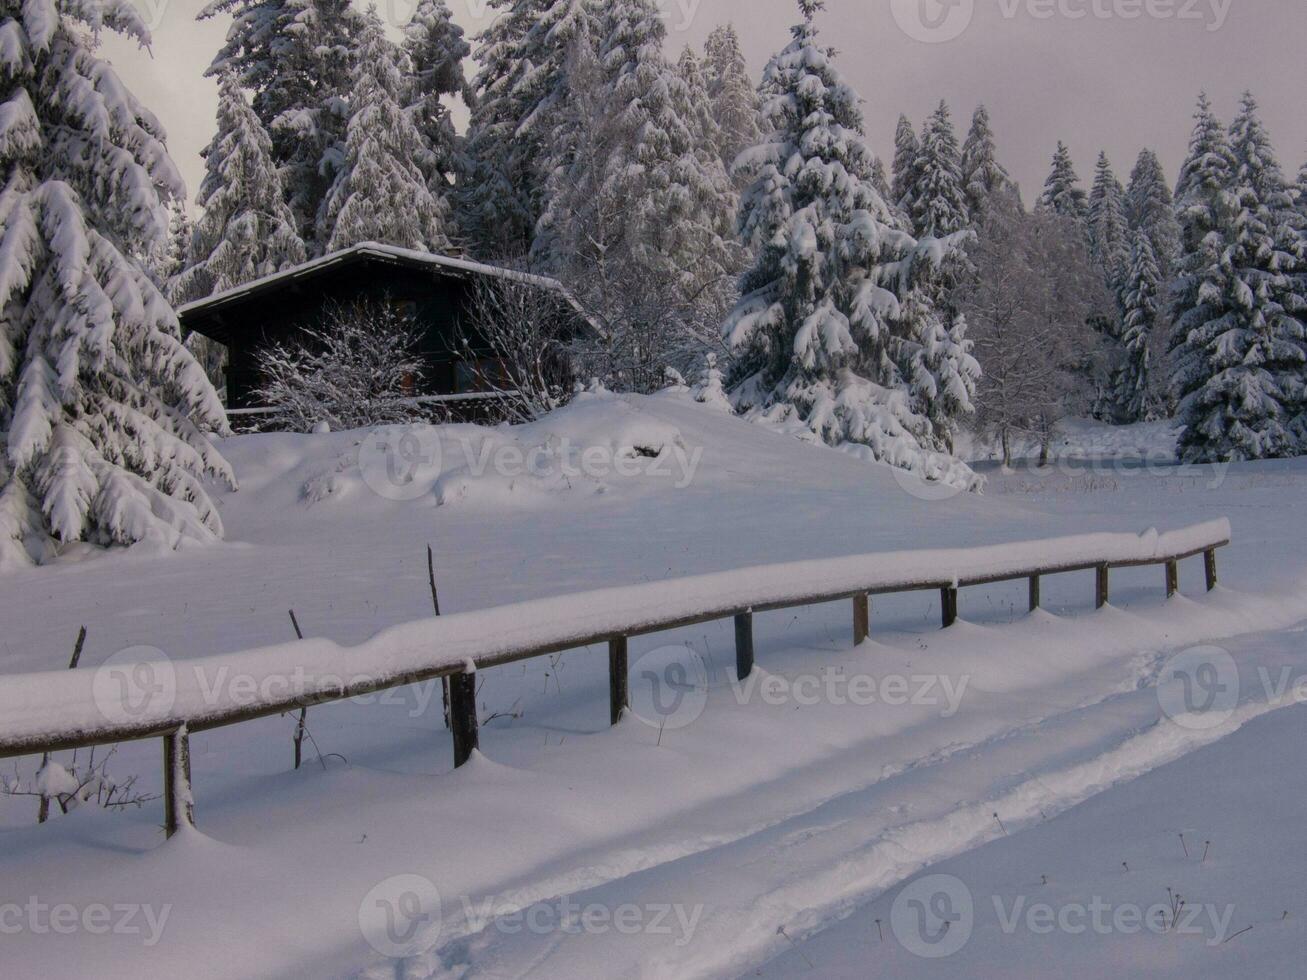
(358, 369)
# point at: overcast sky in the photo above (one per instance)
(1100, 74)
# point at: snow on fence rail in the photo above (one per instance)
(49, 712)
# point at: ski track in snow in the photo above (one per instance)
(784, 880)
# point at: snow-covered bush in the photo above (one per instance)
(711, 391)
(84, 781)
(358, 368)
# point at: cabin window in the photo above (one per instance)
(483, 374)
(405, 308)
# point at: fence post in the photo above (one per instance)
(1209, 559)
(1172, 578)
(1034, 592)
(861, 618)
(1102, 594)
(744, 645)
(178, 802)
(948, 598)
(619, 698)
(463, 715)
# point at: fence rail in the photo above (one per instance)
(50, 712)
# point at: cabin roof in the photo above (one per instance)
(374, 251)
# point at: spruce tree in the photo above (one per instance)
(518, 95)
(1133, 385)
(1063, 194)
(1109, 242)
(939, 206)
(982, 175)
(940, 369)
(246, 230)
(436, 49)
(1205, 213)
(380, 193)
(103, 411)
(497, 209)
(1150, 209)
(818, 334)
(907, 151)
(639, 209)
(732, 93)
(1245, 335)
(294, 56)
(879, 179)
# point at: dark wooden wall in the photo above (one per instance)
(278, 314)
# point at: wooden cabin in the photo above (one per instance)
(437, 290)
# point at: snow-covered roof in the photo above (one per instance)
(388, 252)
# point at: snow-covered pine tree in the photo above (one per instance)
(939, 206)
(1246, 333)
(1109, 233)
(732, 93)
(1205, 213)
(711, 389)
(937, 359)
(907, 151)
(518, 94)
(380, 193)
(1150, 208)
(817, 332)
(495, 207)
(1063, 194)
(294, 56)
(246, 230)
(1133, 386)
(650, 248)
(436, 49)
(982, 174)
(103, 411)
(879, 179)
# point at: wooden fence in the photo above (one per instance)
(53, 716)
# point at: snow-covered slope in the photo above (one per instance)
(762, 807)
